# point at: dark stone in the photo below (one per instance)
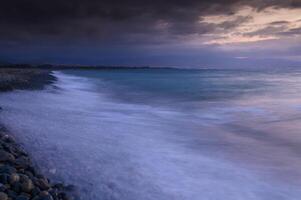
(45, 196)
(6, 157)
(4, 178)
(26, 194)
(12, 194)
(13, 178)
(7, 169)
(16, 187)
(23, 162)
(29, 174)
(35, 191)
(3, 196)
(2, 187)
(31, 169)
(54, 193)
(27, 186)
(8, 139)
(63, 196)
(58, 186)
(43, 184)
(22, 197)
(23, 177)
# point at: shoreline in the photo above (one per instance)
(19, 178)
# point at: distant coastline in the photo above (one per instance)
(59, 67)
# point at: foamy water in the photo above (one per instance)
(90, 131)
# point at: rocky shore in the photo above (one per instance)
(19, 179)
(11, 78)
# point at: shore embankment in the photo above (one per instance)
(19, 178)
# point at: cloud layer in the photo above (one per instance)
(105, 24)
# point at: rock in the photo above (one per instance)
(14, 177)
(43, 184)
(27, 186)
(6, 157)
(7, 169)
(22, 197)
(23, 162)
(8, 139)
(29, 174)
(3, 196)
(53, 192)
(31, 169)
(16, 187)
(63, 196)
(23, 177)
(58, 186)
(4, 178)
(35, 191)
(12, 194)
(45, 196)
(2, 187)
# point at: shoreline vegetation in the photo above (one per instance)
(19, 178)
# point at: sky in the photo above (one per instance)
(165, 33)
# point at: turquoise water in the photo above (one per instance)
(165, 133)
(177, 85)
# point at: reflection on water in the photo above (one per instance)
(165, 134)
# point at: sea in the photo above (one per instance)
(165, 134)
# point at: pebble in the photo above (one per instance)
(14, 177)
(7, 169)
(43, 184)
(22, 197)
(12, 194)
(27, 185)
(3, 196)
(18, 178)
(6, 157)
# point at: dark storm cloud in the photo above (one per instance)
(104, 19)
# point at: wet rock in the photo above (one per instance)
(27, 186)
(53, 193)
(35, 191)
(23, 162)
(4, 178)
(16, 187)
(13, 178)
(2, 187)
(7, 169)
(3, 196)
(12, 194)
(22, 197)
(31, 169)
(29, 174)
(63, 196)
(45, 196)
(43, 184)
(6, 157)
(8, 139)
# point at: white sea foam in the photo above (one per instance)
(117, 150)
